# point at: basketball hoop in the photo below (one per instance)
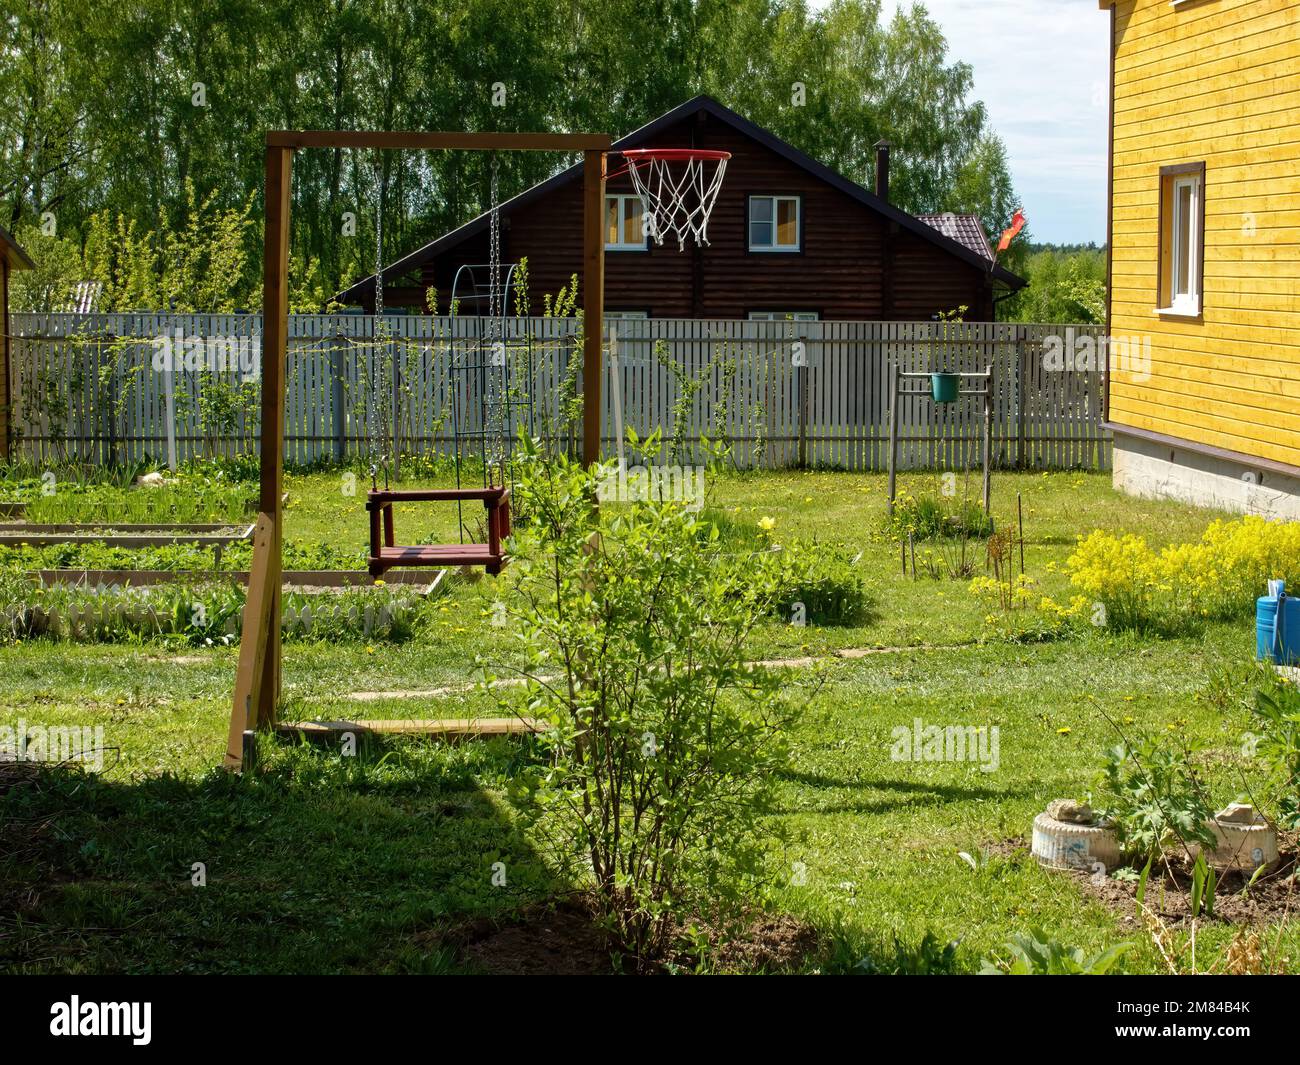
(677, 188)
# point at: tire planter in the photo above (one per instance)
(1246, 839)
(1061, 845)
(944, 387)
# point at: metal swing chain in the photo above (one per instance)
(378, 457)
(497, 381)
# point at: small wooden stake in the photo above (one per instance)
(1020, 522)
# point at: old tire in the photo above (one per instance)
(1060, 845)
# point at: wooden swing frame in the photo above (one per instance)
(258, 678)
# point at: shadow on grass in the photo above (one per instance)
(929, 793)
(315, 863)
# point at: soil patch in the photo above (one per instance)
(1272, 898)
(564, 940)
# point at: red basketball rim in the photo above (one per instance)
(673, 153)
(642, 156)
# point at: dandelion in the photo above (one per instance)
(1064, 731)
(766, 523)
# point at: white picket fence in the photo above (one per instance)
(97, 388)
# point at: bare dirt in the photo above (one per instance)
(564, 940)
(1272, 898)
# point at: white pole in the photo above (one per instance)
(616, 394)
(169, 394)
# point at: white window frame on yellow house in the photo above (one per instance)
(1181, 259)
(624, 209)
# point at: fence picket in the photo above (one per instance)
(1043, 417)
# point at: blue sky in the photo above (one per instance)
(1041, 69)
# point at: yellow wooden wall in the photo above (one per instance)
(1218, 81)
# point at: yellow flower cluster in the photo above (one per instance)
(1019, 592)
(1219, 576)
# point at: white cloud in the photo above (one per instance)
(1041, 69)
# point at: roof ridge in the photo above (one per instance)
(706, 103)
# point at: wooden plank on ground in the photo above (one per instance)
(451, 730)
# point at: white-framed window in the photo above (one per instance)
(1182, 234)
(626, 316)
(1185, 289)
(783, 316)
(624, 230)
(775, 223)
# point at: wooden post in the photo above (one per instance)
(893, 435)
(6, 377)
(257, 683)
(988, 434)
(593, 300)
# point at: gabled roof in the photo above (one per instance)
(963, 228)
(690, 108)
(13, 253)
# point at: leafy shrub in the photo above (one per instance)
(825, 580)
(1277, 713)
(928, 517)
(1154, 795)
(665, 744)
(823, 577)
(847, 955)
(1181, 586)
(1036, 954)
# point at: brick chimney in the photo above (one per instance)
(882, 147)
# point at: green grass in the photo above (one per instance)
(327, 864)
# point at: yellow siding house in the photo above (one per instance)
(1204, 234)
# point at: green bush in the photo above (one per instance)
(664, 743)
(1276, 712)
(1036, 954)
(928, 517)
(1154, 795)
(825, 581)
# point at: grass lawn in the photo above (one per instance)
(321, 863)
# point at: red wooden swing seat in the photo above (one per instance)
(385, 554)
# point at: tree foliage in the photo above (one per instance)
(1066, 284)
(152, 115)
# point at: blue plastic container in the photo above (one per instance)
(1277, 633)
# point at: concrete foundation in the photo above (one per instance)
(1153, 470)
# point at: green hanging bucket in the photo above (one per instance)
(944, 387)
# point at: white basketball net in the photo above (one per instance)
(677, 195)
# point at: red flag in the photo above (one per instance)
(1008, 235)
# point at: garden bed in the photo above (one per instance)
(124, 534)
(1274, 897)
(327, 578)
